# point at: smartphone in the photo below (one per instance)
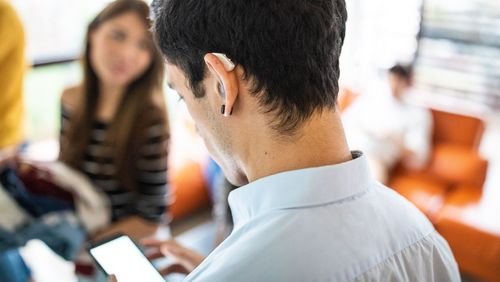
(120, 256)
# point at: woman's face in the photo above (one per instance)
(121, 50)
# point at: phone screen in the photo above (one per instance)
(121, 257)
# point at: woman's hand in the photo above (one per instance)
(186, 260)
(134, 226)
(8, 156)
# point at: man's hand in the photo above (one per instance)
(186, 260)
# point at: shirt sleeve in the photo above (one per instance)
(152, 174)
(12, 69)
(418, 137)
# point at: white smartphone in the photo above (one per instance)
(120, 256)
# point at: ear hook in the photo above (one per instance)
(228, 64)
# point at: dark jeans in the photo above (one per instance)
(12, 267)
(61, 232)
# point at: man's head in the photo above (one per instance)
(399, 79)
(287, 66)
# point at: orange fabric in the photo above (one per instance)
(189, 192)
(477, 253)
(472, 232)
(457, 129)
(458, 165)
(426, 194)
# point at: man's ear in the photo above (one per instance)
(223, 68)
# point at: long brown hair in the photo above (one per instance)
(141, 105)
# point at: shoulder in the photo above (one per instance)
(307, 244)
(72, 97)
(6, 10)
(414, 261)
(11, 27)
(9, 17)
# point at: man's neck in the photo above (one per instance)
(320, 142)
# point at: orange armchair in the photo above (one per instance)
(454, 161)
(450, 192)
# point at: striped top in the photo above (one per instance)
(149, 199)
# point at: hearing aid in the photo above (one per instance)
(228, 64)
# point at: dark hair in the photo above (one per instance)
(142, 104)
(404, 72)
(289, 48)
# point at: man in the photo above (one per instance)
(388, 129)
(309, 209)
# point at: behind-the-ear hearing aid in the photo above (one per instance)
(228, 64)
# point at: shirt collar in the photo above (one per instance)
(301, 188)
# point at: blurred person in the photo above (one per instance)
(12, 69)
(114, 125)
(388, 129)
(260, 79)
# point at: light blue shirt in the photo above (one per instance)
(331, 223)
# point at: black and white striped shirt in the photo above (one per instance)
(149, 199)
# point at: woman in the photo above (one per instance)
(114, 125)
